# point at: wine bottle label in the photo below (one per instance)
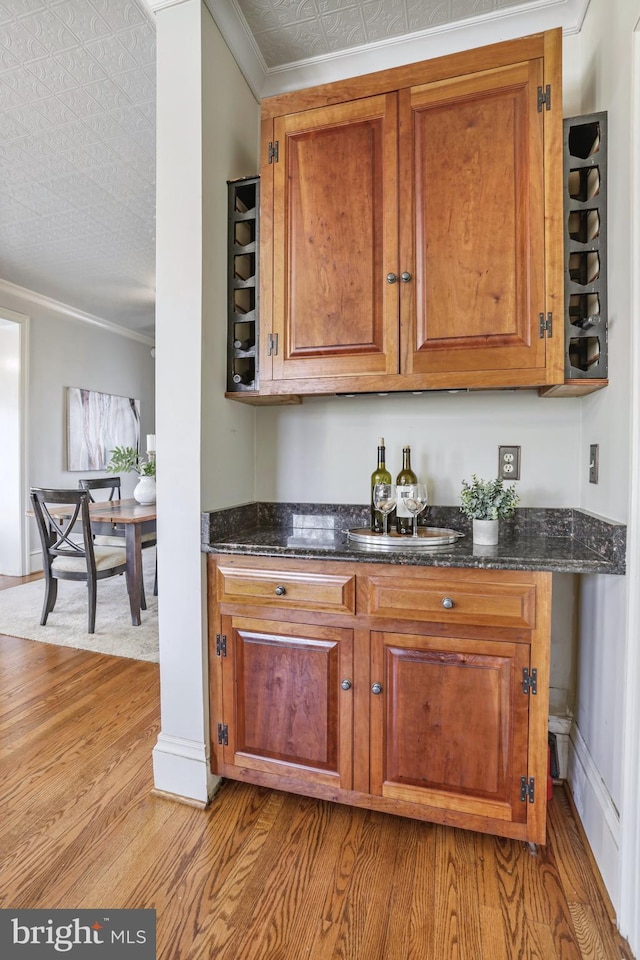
(401, 508)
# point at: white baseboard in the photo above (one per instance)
(35, 561)
(181, 767)
(598, 813)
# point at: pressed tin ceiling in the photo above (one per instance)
(287, 31)
(77, 155)
(77, 118)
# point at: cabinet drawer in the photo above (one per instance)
(286, 589)
(452, 600)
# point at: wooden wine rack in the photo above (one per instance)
(585, 253)
(243, 285)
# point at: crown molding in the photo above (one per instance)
(504, 24)
(72, 313)
(161, 4)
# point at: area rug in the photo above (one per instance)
(21, 608)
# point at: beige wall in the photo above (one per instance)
(62, 353)
(604, 52)
(230, 131)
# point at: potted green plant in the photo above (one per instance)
(128, 460)
(486, 502)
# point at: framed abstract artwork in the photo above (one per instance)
(96, 423)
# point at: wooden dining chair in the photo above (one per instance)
(68, 550)
(113, 485)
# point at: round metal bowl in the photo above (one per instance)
(428, 537)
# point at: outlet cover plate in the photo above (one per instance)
(509, 463)
(594, 462)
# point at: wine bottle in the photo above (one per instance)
(404, 523)
(379, 475)
(244, 344)
(247, 376)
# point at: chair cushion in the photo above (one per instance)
(106, 557)
(108, 541)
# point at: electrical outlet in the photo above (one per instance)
(509, 463)
(594, 462)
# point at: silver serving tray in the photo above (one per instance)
(428, 537)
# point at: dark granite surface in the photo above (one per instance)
(556, 539)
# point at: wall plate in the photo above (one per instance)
(509, 463)
(594, 462)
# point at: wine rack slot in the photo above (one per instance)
(243, 284)
(585, 248)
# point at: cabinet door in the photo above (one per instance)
(472, 227)
(450, 728)
(284, 708)
(335, 240)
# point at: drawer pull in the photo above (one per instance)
(280, 591)
(376, 688)
(447, 603)
(346, 684)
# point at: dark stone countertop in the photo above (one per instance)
(560, 540)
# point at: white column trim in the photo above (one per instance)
(628, 914)
(185, 762)
(24, 328)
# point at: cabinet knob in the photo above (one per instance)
(405, 277)
(346, 684)
(447, 603)
(391, 278)
(280, 591)
(376, 688)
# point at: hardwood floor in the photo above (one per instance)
(259, 875)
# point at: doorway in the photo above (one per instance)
(13, 367)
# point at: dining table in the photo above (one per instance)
(132, 520)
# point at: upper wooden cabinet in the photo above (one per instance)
(411, 227)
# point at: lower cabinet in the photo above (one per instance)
(422, 693)
(289, 718)
(449, 725)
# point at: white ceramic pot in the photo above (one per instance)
(145, 491)
(485, 531)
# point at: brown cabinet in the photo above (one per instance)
(412, 227)
(289, 718)
(408, 690)
(449, 728)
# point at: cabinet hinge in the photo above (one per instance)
(544, 98)
(545, 325)
(221, 645)
(529, 681)
(223, 734)
(274, 146)
(272, 344)
(527, 789)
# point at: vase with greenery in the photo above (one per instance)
(128, 460)
(486, 502)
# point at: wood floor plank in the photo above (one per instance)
(330, 878)
(259, 874)
(364, 925)
(457, 914)
(275, 906)
(574, 868)
(338, 886)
